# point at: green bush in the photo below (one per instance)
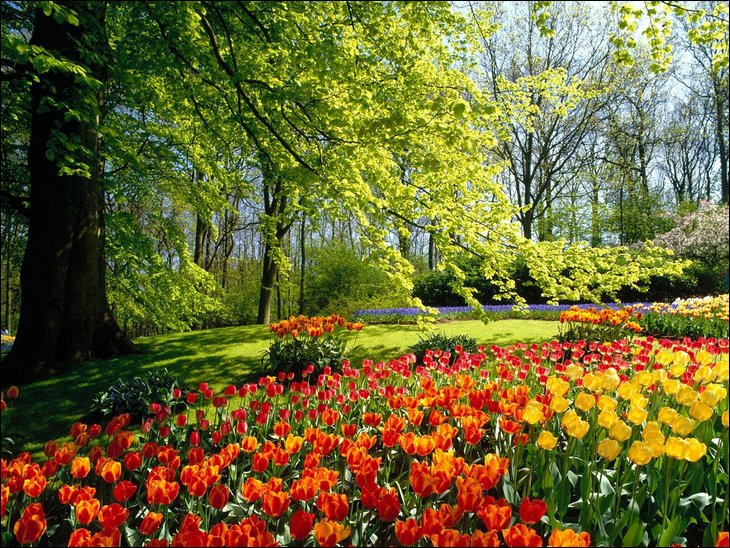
(294, 355)
(338, 281)
(445, 343)
(134, 396)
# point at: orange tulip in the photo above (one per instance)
(304, 489)
(150, 523)
(329, 533)
(31, 525)
(388, 505)
(80, 467)
(111, 471)
(469, 496)
(521, 535)
(87, 510)
(112, 516)
(568, 537)
(490, 539)
(408, 532)
(218, 496)
(451, 537)
(335, 506)
(275, 504)
(496, 517)
(252, 489)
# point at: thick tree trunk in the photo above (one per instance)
(64, 313)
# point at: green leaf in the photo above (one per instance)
(635, 535)
(670, 532)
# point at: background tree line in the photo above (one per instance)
(253, 160)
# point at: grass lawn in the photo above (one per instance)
(47, 409)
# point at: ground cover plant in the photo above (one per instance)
(521, 445)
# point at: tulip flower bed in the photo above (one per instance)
(559, 444)
(597, 325)
(703, 317)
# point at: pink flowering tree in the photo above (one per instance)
(700, 235)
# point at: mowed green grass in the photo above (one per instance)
(232, 355)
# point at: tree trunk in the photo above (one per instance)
(721, 145)
(64, 313)
(268, 279)
(303, 262)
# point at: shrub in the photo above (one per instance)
(339, 281)
(449, 345)
(308, 343)
(134, 396)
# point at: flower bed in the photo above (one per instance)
(701, 317)
(494, 312)
(518, 446)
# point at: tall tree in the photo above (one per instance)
(64, 314)
(549, 86)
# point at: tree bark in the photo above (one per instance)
(64, 313)
(268, 279)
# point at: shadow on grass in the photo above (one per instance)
(46, 409)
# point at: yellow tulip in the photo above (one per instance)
(532, 413)
(726, 419)
(700, 411)
(713, 394)
(704, 374)
(703, 357)
(557, 386)
(664, 357)
(607, 418)
(636, 415)
(577, 428)
(695, 450)
(722, 369)
(687, 395)
(606, 403)
(683, 426)
(651, 430)
(678, 369)
(709, 397)
(644, 378)
(681, 358)
(619, 431)
(609, 449)
(610, 380)
(592, 382)
(676, 448)
(573, 371)
(661, 375)
(559, 404)
(671, 386)
(570, 416)
(657, 449)
(667, 415)
(546, 440)
(626, 390)
(584, 402)
(639, 400)
(640, 453)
